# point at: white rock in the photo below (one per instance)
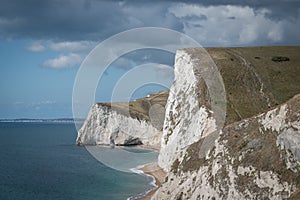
(185, 121)
(104, 126)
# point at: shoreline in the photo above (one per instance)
(156, 173)
(152, 148)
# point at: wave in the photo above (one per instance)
(138, 170)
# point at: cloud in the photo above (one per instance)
(165, 71)
(36, 47)
(63, 61)
(232, 25)
(62, 46)
(78, 19)
(71, 52)
(75, 50)
(75, 20)
(72, 46)
(69, 21)
(144, 56)
(149, 14)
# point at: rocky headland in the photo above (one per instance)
(243, 146)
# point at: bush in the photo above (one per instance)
(280, 59)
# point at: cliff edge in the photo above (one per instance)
(255, 155)
(125, 123)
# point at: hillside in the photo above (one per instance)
(139, 109)
(253, 82)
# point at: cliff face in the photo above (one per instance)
(256, 158)
(124, 123)
(252, 157)
(189, 111)
(105, 126)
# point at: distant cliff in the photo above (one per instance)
(125, 123)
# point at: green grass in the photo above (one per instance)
(140, 108)
(281, 81)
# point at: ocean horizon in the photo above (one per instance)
(39, 160)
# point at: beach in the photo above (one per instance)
(152, 169)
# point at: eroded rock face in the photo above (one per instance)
(255, 158)
(125, 123)
(252, 159)
(184, 114)
(104, 126)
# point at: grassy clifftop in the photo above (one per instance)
(144, 108)
(255, 78)
(254, 82)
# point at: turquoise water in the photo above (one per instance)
(40, 161)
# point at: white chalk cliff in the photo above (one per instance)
(255, 158)
(188, 112)
(105, 126)
(120, 124)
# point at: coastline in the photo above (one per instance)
(157, 174)
(152, 148)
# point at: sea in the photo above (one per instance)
(39, 160)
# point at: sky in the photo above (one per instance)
(43, 43)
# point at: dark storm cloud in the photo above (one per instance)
(71, 20)
(59, 19)
(78, 19)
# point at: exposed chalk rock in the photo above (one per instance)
(105, 126)
(255, 158)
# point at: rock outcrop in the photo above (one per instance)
(107, 127)
(256, 158)
(190, 109)
(125, 123)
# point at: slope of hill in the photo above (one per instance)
(253, 156)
